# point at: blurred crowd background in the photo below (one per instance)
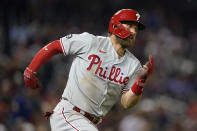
(169, 101)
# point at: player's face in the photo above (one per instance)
(133, 28)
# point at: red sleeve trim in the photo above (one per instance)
(62, 46)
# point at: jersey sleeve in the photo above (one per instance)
(132, 78)
(76, 44)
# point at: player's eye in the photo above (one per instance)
(134, 26)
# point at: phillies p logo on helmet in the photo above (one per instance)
(138, 16)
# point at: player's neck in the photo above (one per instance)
(117, 46)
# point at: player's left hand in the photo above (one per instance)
(147, 69)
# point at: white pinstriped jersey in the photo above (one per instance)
(97, 76)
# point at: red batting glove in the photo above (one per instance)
(30, 79)
(138, 86)
(150, 65)
(147, 70)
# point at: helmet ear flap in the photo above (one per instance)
(118, 29)
(121, 31)
(114, 26)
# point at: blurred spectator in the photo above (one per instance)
(2, 127)
(135, 122)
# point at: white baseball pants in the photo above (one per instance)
(65, 118)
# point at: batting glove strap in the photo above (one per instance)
(138, 86)
(33, 72)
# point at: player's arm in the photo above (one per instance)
(129, 99)
(132, 96)
(44, 55)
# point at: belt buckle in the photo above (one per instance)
(96, 120)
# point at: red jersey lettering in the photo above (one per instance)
(114, 74)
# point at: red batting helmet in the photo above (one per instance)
(115, 26)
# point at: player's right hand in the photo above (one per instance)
(30, 79)
(147, 69)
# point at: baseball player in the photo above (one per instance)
(102, 72)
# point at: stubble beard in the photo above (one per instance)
(125, 43)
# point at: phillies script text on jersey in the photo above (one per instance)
(114, 72)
